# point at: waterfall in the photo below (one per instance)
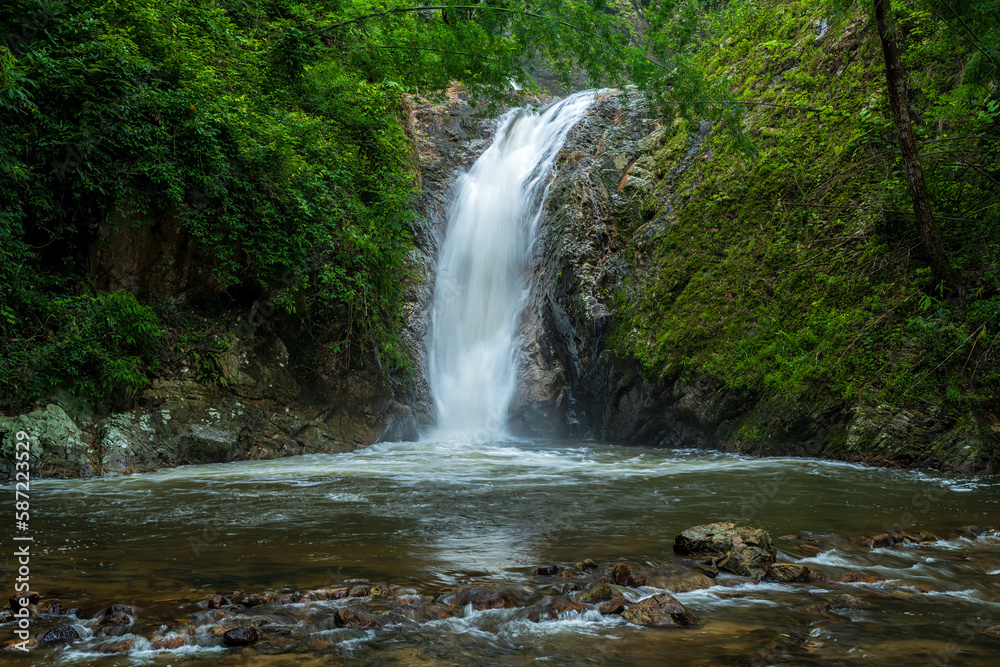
(481, 275)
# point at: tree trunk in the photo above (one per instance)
(930, 235)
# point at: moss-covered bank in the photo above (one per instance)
(775, 300)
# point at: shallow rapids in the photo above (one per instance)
(432, 518)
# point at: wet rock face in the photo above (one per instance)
(598, 189)
(58, 446)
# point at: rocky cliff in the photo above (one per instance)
(611, 219)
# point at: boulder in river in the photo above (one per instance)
(242, 636)
(596, 593)
(742, 550)
(616, 605)
(857, 578)
(974, 532)
(789, 572)
(480, 598)
(681, 581)
(23, 599)
(120, 645)
(64, 634)
(356, 620)
(168, 643)
(660, 611)
(849, 602)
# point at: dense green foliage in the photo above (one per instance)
(797, 271)
(270, 130)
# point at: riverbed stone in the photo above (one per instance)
(64, 634)
(682, 581)
(18, 600)
(168, 643)
(992, 632)
(857, 578)
(845, 601)
(356, 620)
(596, 593)
(742, 550)
(481, 598)
(789, 572)
(120, 645)
(660, 611)
(241, 636)
(880, 541)
(615, 606)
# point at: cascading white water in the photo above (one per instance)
(480, 288)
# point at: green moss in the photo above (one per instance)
(780, 274)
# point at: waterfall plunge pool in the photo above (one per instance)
(430, 519)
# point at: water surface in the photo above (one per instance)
(436, 516)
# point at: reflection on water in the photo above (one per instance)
(430, 515)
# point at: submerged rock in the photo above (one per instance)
(480, 598)
(120, 645)
(857, 578)
(660, 611)
(168, 643)
(356, 620)
(975, 532)
(242, 636)
(20, 600)
(849, 602)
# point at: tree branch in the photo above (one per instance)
(965, 25)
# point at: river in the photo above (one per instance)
(436, 517)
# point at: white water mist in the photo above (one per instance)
(481, 275)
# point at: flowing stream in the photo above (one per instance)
(433, 518)
(480, 285)
(399, 539)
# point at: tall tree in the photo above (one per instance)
(895, 75)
